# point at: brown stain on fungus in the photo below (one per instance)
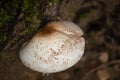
(47, 30)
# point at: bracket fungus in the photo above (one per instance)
(56, 47)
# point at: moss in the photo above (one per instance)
(5, 11)
(56, 1)
(2, 37)
(4, 17)
(53, 2)
(31, 10)
(27, 31)
(8, 12)
(15, 39)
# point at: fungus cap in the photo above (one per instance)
(56, 47)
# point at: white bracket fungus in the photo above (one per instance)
(54, 48)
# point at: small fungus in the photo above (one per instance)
(56, 47)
